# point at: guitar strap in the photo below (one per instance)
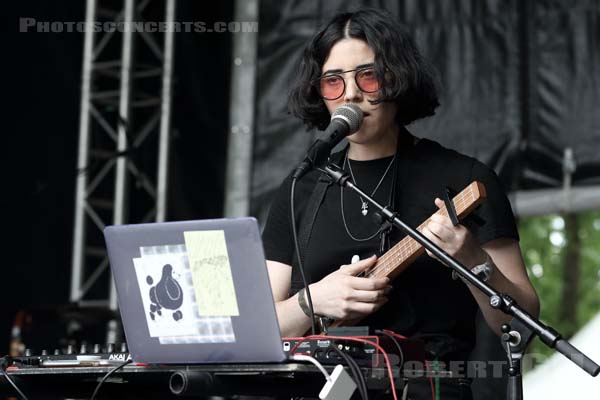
(305, 228)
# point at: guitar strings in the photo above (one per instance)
(408, 246)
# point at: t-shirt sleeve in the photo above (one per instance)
(277, 238)
(495, 212)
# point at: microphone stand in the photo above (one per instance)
(522, 327)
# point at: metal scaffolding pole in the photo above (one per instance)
(165, 122)
(79, 235)
(125, 109)
(241, 114)
(124, 124)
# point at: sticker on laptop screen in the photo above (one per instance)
(170, 301)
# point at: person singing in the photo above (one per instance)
(367, 59)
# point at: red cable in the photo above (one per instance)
(395, 334)
(377, 346)
(430, 381)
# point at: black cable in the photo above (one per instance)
(356, 374)
(313, 328)
(362, 379)
(401, 366)
(397, 345)
(9, 379)
(359, 378)
(105, 377)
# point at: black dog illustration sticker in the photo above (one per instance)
(166, 294)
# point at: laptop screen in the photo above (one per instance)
(194, 292)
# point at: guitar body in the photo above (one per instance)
(402, 254)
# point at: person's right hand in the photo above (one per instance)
(342, 295)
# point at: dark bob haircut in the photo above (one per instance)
(409, 80)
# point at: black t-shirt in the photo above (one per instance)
(426, 302)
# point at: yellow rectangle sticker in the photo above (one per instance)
(211, 273)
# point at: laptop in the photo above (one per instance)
(194, 292)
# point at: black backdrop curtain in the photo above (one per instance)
(520, 83)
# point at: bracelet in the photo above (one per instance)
(302, 302)
(322, 321)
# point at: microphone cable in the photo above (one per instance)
(313, 327)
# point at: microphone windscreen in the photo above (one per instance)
(351, 114)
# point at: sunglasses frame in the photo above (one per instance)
(317, 81)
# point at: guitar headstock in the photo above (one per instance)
(468, 199)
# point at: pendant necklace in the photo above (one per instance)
(364, 207)
(364, 204)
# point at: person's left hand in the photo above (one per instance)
(457, 240)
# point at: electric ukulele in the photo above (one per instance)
(402, 254)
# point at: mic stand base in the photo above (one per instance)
(515, 339)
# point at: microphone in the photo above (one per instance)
(345, 120)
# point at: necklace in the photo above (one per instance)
(364, 209)
(364, 205)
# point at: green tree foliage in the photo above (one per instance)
(544, 242)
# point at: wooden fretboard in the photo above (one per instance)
(399, 257)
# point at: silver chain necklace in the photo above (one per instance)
(364, 206)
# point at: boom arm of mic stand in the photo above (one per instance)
(498, 300)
